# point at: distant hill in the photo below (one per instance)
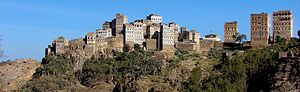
(15, 73)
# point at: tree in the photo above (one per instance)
(239, 37)
(126, 48)
(137, 47)
(299, 33)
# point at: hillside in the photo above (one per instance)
(14, 74)
(216, 70)
(128, 71)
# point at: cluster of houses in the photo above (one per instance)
(152, 33)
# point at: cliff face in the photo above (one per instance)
(287, 77)
(14, 74)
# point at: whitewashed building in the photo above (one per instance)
(155, 18)
(104, 33)
(134, 33)
(167, 37)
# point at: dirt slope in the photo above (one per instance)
(14, 74)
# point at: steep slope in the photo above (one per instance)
(14, 74)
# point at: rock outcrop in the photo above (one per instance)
(287, 78)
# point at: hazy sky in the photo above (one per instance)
(28, 26)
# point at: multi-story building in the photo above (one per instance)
(194, 36)
(104, 33)
(118, 24)
(175, 26)
(152, 35)
(183, 29)
(145, 23)
(152, 31)
(155, 18)
(188, 40)
(90, 43)
(166, 38)
(283, 24)
(260, 28)
(230, 29)
(106, 25)
(58, 46)
(182, 33)
(134, 33)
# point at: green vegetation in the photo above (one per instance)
(251, 70)
(239, 37)
(248, 71)
(126, 67)
(56, 74)
(298, 33)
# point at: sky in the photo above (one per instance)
(28, 26)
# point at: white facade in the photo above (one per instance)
(104, 33)
(134, 33)
(155, 18)
(168, 34)
(212, 37)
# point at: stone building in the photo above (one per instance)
(181, 34)
(118, 24)
(134, 34)
(230, 29)
(194, 36)
(283, 24)
(106, 25)
(155, 18)
(175, 26)
(90, 40)
(115, 43)
(210, 41)
(58, 46)
(191, 36)
(206, 44)
(152, 31)
(183, 29)
(152, 35)
(145, 23)
(104, 33)
(151, 44)
(189, 46)
(166, 38)
(260, 28)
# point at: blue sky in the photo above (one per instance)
(28, 26)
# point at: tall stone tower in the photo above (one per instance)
(260, 28)
(118, 24)
(90, 42)
(283, 24)
(230, 29)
